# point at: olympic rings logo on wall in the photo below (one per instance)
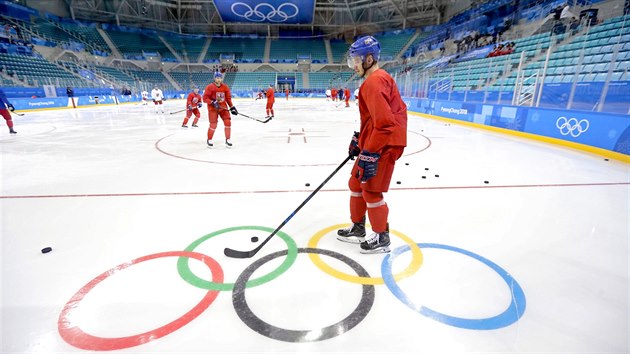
(71, 332)
(572, 126)
(265, 12)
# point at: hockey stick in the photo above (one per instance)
(181, 110)
(256, 119)
(246, 116)
(248, 254)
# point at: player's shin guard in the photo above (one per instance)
(356, 232)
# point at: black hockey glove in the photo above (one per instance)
(368, 164)
(199, 105)
(190, 108)
(353, 149)
(10, 107)
(233, 110)
(215, 104)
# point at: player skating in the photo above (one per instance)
(346, 94)
(145, 97)
(271, 98)
(193, 103)
(5, 107)
(157, 96)
(328, 93)
(378, 144)
(219, 100)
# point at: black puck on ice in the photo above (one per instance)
(424, 177)
(437, 175)
(397, 182)
(46, 249)
(308, 184)
(406, 163)
(426, 168)
(254, 239)
(486, 182)
(605, 159)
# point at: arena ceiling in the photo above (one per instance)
(329, 17)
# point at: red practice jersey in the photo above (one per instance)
(221, 94)
(383, 113)
(271, 96)
(193, 99)
(346, 94)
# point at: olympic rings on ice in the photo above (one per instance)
(74, 335)
(506, 318)
(413, 266)
(300, 336)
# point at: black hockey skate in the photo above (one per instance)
(352, 234)
(210, 143)
(378, 242)
(228, 143)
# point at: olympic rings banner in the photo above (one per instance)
(603, 130)
(269, 11)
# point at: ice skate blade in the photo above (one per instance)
(376, 251)
(353, 240)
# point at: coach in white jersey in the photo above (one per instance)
(156, 95)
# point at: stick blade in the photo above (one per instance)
(238, 254)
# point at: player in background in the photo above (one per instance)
(346, 94)
(340, 94)
(219, 100)
(157, 96)
(286, 92)
(260, 95)
(356, 96)
(5, 107)
(193, 103)
(333, 94)
(271, 98)
(145, 97)
(380, 141)
(328, 94)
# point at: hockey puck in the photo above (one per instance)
(406, 163)
(397, 182)
(486, 182)
(46, 249)
(308, 184)
(254, 239)
(437, 175)
(424, 177)
(605, 159)
(426, 168)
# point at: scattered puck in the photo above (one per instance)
(486, 182)
(605, 159)
(308, 184)
(397, 182)
(426, 168)
(406, 163)
(254, 239)
(424, 177)
(46, 249)
(437, 175)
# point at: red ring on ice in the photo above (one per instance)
(76, 337)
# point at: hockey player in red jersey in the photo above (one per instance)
(378, 144)
(219, 100)
(193, 103)
(5, 107)
(271, 98)
(346, 94)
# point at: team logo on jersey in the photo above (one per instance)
(220, 96)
